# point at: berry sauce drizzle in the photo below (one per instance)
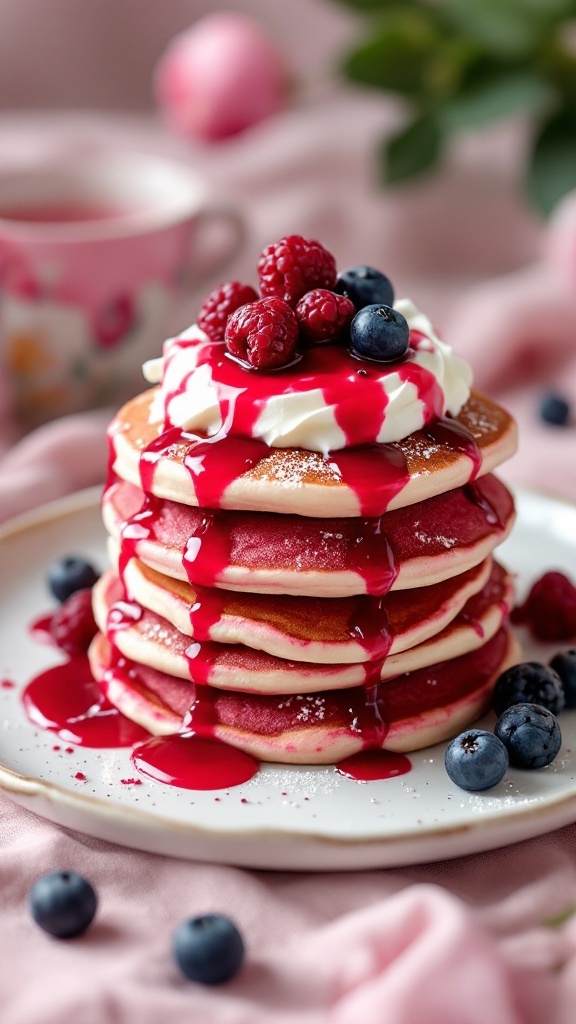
(122, 615)
(40, 631)
(66, 700)
(193, 762)
(345, 383)
(475, 495)
(455, 436)
(196, 758)
(373, 765)
(208, 553)
(368, 625)
(376, 472)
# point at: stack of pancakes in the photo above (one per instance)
(285, 619)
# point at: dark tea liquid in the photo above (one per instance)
(61, 213)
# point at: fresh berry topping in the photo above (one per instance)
(550, 608)
(323, 316)
(530, 734)
(380, 333)
(293, 266)
(73, 627)
(220, 304)
(208, 949)
(67, 575)
(476, 760)
(366, 287)
(263, 334)
(529, 683)
(555, 410)
(63, 904)
(564, 663)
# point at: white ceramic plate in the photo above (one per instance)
(284, 818)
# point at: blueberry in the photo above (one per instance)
(69, 574)
(365, 286)
(555, 410)
(529, 683)
(63, 904)
(564, 663)
(379, 332)
(208, 949)
(530, 734)
(476, 760)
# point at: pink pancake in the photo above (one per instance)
(149, 639)
(236, 471)
(405, 714)
(326, 630)
(289, 554)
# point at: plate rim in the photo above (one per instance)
(14, 784)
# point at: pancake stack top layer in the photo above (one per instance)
(302, 535)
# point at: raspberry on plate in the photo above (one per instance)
(293, 266)
(220, 304)
(323, 315)
(263, 334)
(73, 627)
(550, 608)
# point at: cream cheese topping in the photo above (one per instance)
(195, 396)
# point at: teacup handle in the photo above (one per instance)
(223, 220)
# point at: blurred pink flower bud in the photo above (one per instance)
(219, 77)
(560, 244)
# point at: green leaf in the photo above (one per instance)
(503, 96)
(557, 920)
(370, 5)
(558, 63)
(413, 150)
(552, 170)
(546, 10)
(504, 27)
(454, 62)
(395, 55)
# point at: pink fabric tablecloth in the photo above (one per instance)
(462, 942)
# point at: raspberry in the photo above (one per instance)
(293, 266)
(550, 608)
(73, 626)
(323, 315)
(263, 334)
(223, 301)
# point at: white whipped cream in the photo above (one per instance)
(189, 398)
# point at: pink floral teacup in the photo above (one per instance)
(94, 256)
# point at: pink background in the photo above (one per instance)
(99, 53)
(463, 942)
